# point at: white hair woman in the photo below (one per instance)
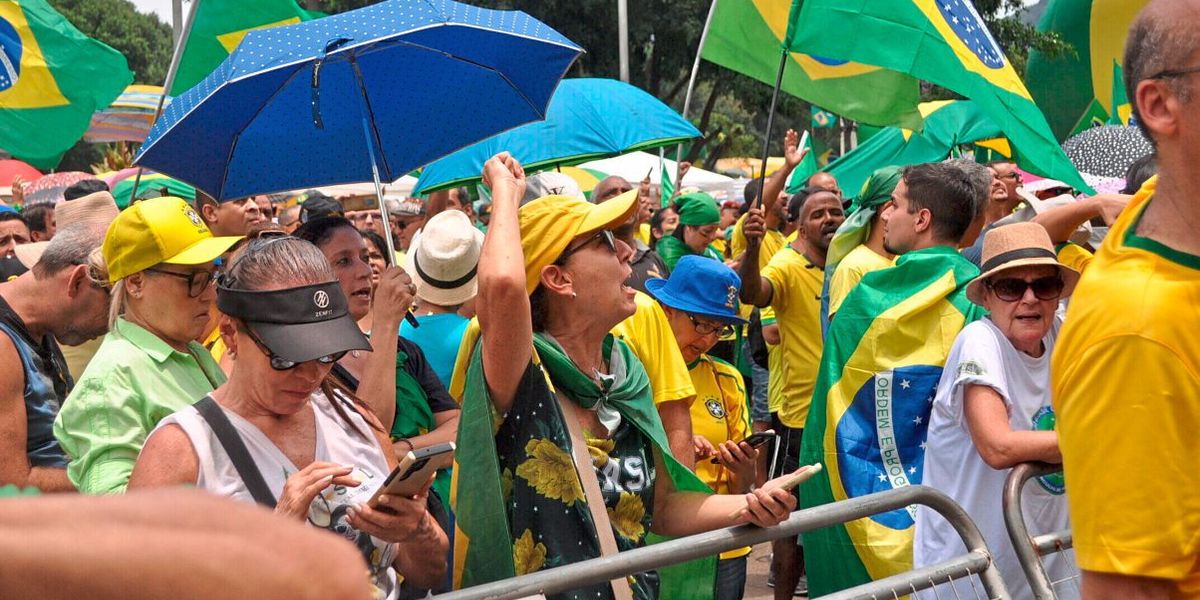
(276, 434)
(992, 408)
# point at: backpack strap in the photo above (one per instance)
(236, 449)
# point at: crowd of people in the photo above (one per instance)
(601, 362)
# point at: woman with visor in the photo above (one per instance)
(307, 451)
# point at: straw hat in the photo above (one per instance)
(1018, 245)
(443, 259)
(98, 209)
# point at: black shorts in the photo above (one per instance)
(785, 458)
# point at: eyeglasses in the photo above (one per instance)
(282, 364)
(1011, 289)
(1174, 73)
(702, 328)
(1013, 175)
(604, 235)
(197, 281)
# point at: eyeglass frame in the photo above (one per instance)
(1028, 285)
(190, 278)
(604, 235)
(1174, 73)
(726, 329)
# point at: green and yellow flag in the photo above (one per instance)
(1074, 89)
(883, 356)
(944, 42)
(748, 36)
(1121, 108)
(52, 78)
(219, 27)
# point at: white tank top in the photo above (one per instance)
(337, 442)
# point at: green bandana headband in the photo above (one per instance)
(697, 209)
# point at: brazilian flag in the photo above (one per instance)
(52, 78)
(1074, 90)
(883, 357)
(748, 36)
(944, 42)
(219, 26)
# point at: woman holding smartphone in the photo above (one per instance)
(277, 434)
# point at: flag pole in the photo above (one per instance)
(180, 44)
(691, 87)
(783, 60)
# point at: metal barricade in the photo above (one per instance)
(976, 561)
(1031, 548)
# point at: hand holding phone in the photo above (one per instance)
(755, 440)
(415, 470)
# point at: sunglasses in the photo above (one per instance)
(197, 281)
(604, 235)
(1011, 289)
(722, 330)
(282, 364)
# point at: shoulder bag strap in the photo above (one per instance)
(236, 449)
(591, 491)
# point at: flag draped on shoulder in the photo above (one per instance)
(748, 36)
(219, 26)
(52, 78)
(947, 43)
(883, 356)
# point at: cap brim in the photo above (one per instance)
(654, 287)
(303, 342)
(205, 250)
(609, 214)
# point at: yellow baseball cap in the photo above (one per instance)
(548, 225)
(159, 230)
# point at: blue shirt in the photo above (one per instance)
(438, 337)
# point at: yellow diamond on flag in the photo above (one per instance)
(231, 40)
(25, 78)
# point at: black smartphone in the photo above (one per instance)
(755, 440)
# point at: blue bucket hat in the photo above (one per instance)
(700, 286)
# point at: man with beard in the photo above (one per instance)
(61, 298)
(791, 285)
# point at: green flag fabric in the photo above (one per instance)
(747, 36)
(1121, 109)
(880, 367)
(219, 26)
(1066, 87)
(946, 43)
(52, 78)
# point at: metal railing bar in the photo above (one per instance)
(944, 572)
(1053, 542)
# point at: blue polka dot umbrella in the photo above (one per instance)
(363, 95)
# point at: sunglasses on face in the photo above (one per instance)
(197, 281)
(282, 364)
(606, 237)
(1011, 289)
(703, 328)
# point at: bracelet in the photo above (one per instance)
(406, 441)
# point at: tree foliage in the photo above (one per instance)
(142, 38)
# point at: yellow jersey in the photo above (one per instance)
(774, 366)
(649, 336)
(1075, 256)
(719, 414)
(1126, 388)
(772, 243)
(858, 262)
(796, 297)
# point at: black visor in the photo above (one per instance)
(298, 324)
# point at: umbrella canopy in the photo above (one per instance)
(1108, 150)
(388, 87)
(11, 168)
(587, 119)
(633, 168)
(152, 185)
(128, 118)
(48, 189)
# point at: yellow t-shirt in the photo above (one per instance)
(772, 242)
(719, 415)
(1126, 389)
(774, 366)
(643, 233)
(649, 336)
(858, 262)
(796, 298)
(1075, 256)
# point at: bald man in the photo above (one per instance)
(1126, 369)
(825, 181)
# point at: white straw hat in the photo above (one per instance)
(1018, 245)
(443, 258)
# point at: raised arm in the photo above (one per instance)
(755, 289)
(503, 303)
(1061, 221)
(793, 154)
